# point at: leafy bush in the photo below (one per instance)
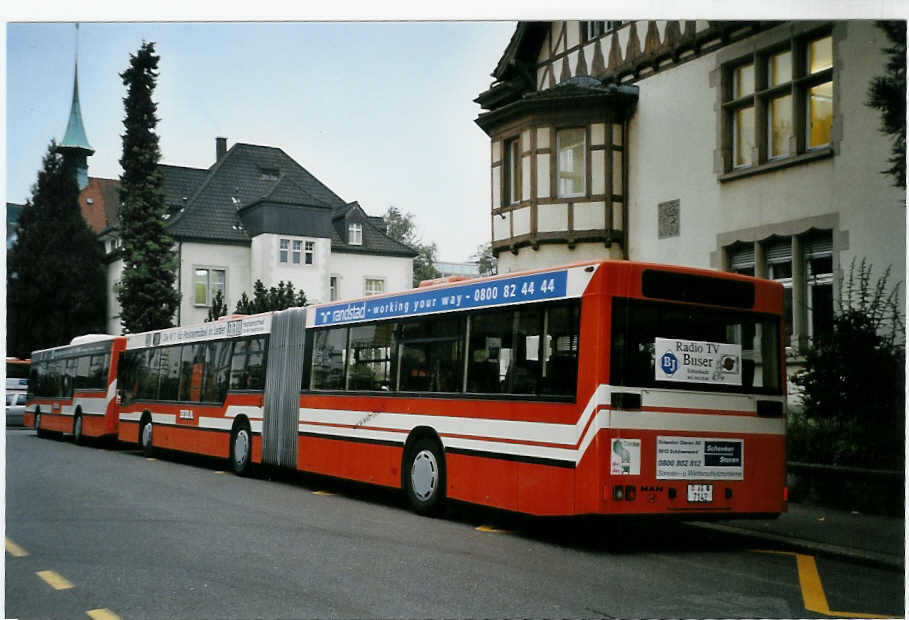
(853, 383)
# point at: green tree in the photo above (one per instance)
(402, 228)
(147, 293)
(486, 260)
(218, 308)
(887, 93)
(852, 386)
(278, 297)
(55, 281)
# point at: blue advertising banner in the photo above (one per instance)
(522, 289)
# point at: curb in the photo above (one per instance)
(870, 558)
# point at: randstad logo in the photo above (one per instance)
(669, 363)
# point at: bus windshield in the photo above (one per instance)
(725, 350)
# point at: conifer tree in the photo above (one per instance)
(887, 93)
(147, 295)
(55, 278)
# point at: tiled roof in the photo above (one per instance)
(244, 175)
(207, 205)
(375, 241)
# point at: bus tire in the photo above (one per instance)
(78, 437)
(145, 438)
(424, 476)
(241, 449)
(41, 432)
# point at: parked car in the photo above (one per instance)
(15, 408)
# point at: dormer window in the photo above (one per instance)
(355, 234)
(269, 174)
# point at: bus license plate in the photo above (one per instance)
(700, 493)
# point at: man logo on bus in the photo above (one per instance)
(669, 363)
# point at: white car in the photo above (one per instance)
(15, 408)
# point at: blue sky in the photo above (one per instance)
(381, 112)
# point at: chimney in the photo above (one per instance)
(220, 148)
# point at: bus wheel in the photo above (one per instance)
(41, 432)
(424, 476)
(241, 449)
(145, 438)
(77, 431)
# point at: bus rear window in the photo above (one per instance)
(728, 350)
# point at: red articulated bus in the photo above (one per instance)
(608, 387)
(72, 389)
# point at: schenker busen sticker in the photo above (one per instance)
(697, 361)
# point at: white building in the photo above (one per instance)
(742, 146)
(256, 214)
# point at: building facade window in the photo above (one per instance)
(308, 252)
(591, 30)
(297, 251)
(333, 288)
(207, 282)
(778, 101)
(512, 170)
(355, 234)
(283, 250)
(806, 277)
(572, 162)
(373, 286)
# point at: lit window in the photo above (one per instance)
(207, 283)
(374, 286)
(572, 162)
(355, 234)
(820, 114)
(794, 93)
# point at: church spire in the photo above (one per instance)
(75, 147)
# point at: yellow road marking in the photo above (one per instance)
(15, 550)
(492, 530)
(324, 493)
(55, 580)
(219, 472)
(102, 614)
(813, 590)
(151, 459)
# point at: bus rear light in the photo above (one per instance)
(618, 493)
(672, 493)
(785, 494)
(727, 492)
(630, 493)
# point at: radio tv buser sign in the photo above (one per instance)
(697, 361)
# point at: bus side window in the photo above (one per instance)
(192, 360)
(256, 362)
(170, 373)
(329, 359)
(238, 376)
(149, 374)
(69, 377)
(217, 371)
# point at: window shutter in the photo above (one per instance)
(819, 244)
(741, 256)
(779, 251)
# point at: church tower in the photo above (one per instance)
(75, 147)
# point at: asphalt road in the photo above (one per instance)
(175, 537)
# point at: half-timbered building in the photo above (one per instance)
(740, 146)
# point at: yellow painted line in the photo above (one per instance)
(219, 472)
(151, 459)
(492, 530)
(324, 493)
(102, 614)
(55, 580)
(813, 594)
(15, 550)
